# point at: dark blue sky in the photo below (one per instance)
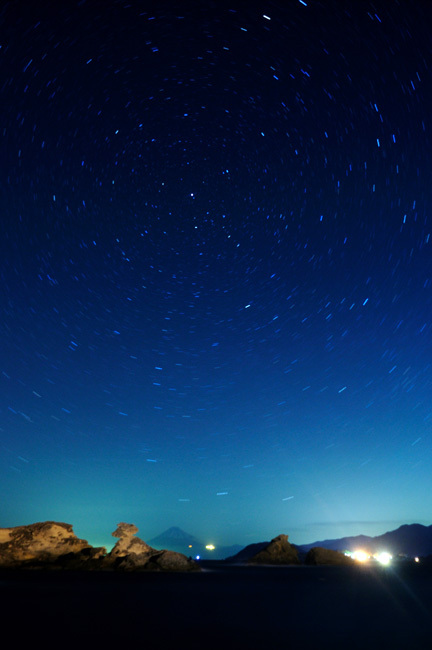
(216, 267)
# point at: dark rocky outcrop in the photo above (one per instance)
(170, 561)
(54, 545)
(319, 555)
(279, 551)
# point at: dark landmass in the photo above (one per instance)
(407, 541)
(410, 539)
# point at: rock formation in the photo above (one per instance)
(128, 543)
(155, 561)
(54, 545)
(43, 543)
(171, 561)
(132, 554)
(320, 555)
(279, 551)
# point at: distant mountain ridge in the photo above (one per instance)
(409, 539)
(174, 535)
(176, 539)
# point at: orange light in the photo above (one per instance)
(360, 556)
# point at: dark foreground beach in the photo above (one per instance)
(223, 607)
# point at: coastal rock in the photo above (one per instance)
(171, 561)
(54, 545)
(320, 555)
(42, 542)
(128, 543)
(279, 551)
(132, 554)
(157, 561)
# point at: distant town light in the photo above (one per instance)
(416, 559)
(190, 545)
(197, 557)
(210, 547)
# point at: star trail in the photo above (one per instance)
(216, 267)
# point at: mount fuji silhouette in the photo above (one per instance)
(176, 539)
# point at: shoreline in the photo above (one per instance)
(230, 607)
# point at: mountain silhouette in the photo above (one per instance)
(176, 539)
(409, 539)
(174, 535)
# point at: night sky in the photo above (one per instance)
(216, 267)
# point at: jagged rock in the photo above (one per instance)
(132, 554)
(54, 545)
(40, 543)
(125, 531)
(319, 555)
(128, 544)
(279, 551)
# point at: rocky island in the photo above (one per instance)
(278, 552)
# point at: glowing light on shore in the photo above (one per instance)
(360, 556)
(383, 558)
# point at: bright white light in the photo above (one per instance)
(383, 558)
(416, 559)
(210, 547)
(197, 557)
(360, 556)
